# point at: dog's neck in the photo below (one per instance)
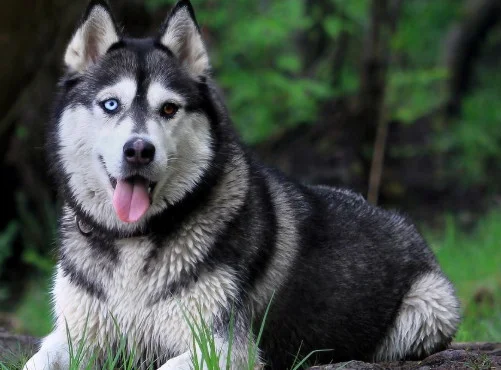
(229, 179)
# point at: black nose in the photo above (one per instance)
(139, 151)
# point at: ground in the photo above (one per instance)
(476, 356)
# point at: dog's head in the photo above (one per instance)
(134, 129)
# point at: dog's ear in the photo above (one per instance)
(97, 32)
(181, 35)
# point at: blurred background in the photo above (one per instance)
(396, 99)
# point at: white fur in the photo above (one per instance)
(286, 245)
(182, 151)
(152, 328)
(54, 350)
(186, 140)
(110, 135)
(184, 40)
(128, 311)
(239, 357)
(191, 245)
(149, 327)
(189, 143)
(429, 313)
(91, 40)
(158, 94)
(84, 135)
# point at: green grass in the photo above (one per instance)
(33, 315)
(82, 359)
(473, 263)
(204, 340)
(206, 354)
(471, 260)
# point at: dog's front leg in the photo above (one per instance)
(181, 362)
(236, 360)
(53, 354)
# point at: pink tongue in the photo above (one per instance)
(131, 199)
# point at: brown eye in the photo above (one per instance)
(169, 110)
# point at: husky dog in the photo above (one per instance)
(167, 216)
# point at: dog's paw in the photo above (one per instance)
(53, 354)
(44, 360)
(181, 362)
(40, 361)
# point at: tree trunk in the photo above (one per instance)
(463, 44)
(376, 61)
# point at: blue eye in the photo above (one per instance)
(110, 105)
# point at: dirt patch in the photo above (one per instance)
(471, 356)
(16, 346)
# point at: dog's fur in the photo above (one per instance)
(223, 234)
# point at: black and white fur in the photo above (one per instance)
(223, 233)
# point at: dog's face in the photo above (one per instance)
(133, 134)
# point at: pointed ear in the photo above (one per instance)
(181, 35)
(92, 39)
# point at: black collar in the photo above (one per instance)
(87, 228)
(84, 228)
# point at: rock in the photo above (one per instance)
(478, 356)
(352, 365)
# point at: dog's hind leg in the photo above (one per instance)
(427, 320)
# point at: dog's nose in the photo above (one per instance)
(139, 151)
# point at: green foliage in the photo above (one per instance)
(256, 55)
(7, 237)
(37, 237)
(256, 61)
(37, 234)
(418, 86)
(475, 138)
(33, 313)
(409, 92)
(416, 79)
(421, 28)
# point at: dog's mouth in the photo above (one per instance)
(132, 179)
(132, 197)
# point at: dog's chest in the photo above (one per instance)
(129, 286)
(140, 275)
(137, 302)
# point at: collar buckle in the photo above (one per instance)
(83, 227)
